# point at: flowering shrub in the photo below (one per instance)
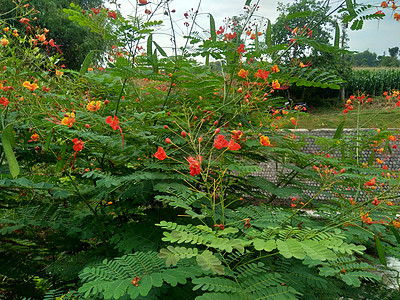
(177, 210)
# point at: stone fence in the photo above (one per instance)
(270, 169)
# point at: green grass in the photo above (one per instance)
(372, 115)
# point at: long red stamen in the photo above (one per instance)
(122, 136)
(76, 152)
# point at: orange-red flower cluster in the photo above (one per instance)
(195, 165)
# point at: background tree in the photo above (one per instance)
(364, 59)
(317, 21)
(75, 41)
(394, 52)
(315, 17)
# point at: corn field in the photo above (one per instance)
(373, 81)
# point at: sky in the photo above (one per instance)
(376, 36)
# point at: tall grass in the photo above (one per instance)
(373, 81)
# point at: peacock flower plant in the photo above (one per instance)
(114, 123)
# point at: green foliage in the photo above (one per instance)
(373, 82)
(141, 179)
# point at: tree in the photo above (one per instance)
(318, 25)
(364, 59)
(394, 52)
(75, 41)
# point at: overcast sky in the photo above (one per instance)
(376, 36)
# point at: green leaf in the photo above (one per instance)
(247, 2)
(351, 279)
(174, 254)
(161, 50)
(48, 141)
(317, 251)
(300, 14)
(61, 161)
(396, 233)
(208, 261)
(149, 48)
(381, 252)
(86, 62)
(155, 62)
(217, 284)
(7, 138)
(212, 29)
(371, 158)
(260, 244)
(173, 277)
(268, 34)
(337, 35)
(256, 41)
(357, 25)
(339, 130)
(291, 248)
(350, 7)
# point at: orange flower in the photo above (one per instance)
(59, 73)
(93, 106)
(396, 17)
(236, 134)
(6, 29)
(275, 84)
(69, 119)
(160, 154)
(293, 120)
(275, 69)
(253, 36)
(41, 37)
(396, 224)
(384, 4)
(34, 137)
(4, 42)
(264, 141)
(30, 86)
(242, 73)
(15, 33)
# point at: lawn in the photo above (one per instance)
(373, 115)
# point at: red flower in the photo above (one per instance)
(241, 50)
(114, 123)
(160, 154)
(376, 202)
(4, 101)
(233, 145)
(96, 11)
(78, 146)
(194, 165)
(262, 74)
(112, 14)
(220, 142)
